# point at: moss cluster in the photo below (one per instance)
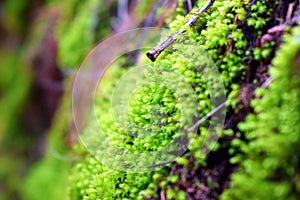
(89, 178)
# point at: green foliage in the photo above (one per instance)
(263, 53)
(77, 30)
(89, 179)
(258, 17)
(14, 11)
(261, 13)
(15, 80)
(222, 39)
(151, 106)
(233, 97)
(269, 166)
(175, 194)
(155, 107)
(47, 178)
(13, 73)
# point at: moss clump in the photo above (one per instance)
(258, 15)
(158, 110)
(91, 181)
(269, 164)
(89, 178)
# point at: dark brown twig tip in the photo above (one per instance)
(152, 54)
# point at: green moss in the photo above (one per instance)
(90, 180)
(13, 15)
(222, 39)
(13, 73)
(258, 17)
(216, 32)
(77, 30)
(175, 194)
(49, 176)
(46, 178)
(269, 161)
(15, 79)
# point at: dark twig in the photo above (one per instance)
(149, 22)
(154, 52)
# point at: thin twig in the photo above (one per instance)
(267, 82)
(290, 11)
(161, 164)
(154, 52)
(203, 119)
(162, 195)
(191, 129)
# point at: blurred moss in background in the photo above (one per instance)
(35, 118)
(31, 87)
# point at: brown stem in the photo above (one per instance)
(154, 52)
